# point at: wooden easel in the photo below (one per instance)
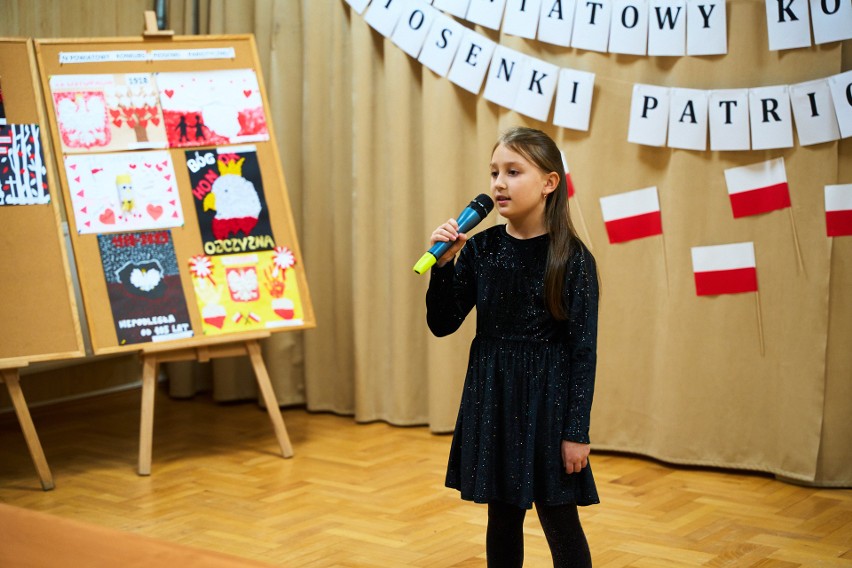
(10, 374)
(152, 30)
(205, 350)
(186, 239)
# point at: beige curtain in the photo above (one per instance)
(377, 150)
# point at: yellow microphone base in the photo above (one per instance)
(425, 263)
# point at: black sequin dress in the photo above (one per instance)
(530, 378)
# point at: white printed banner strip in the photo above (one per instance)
(758, 188)
(632, 215)
(724, 269)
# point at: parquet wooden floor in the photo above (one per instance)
(372, 495)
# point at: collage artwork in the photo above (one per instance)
(23, 175)
(116, 133)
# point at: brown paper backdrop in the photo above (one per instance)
(377, 150)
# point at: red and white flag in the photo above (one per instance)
(838, 210)
(724, 269)
(632, 215)
(758, 188)
(568, 182)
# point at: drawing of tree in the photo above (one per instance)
(135, 106)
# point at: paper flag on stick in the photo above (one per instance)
(758, 188)
(632, 215)
(724, 269)
(838, 210)
(568, 181)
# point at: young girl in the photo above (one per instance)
(522, 431)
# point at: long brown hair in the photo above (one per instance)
(541, 151)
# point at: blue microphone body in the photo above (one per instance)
(470, 217)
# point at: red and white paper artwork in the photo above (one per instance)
(212, 108)
(101, 113)
(724, 269)
(23, 175)
(129, 191)
(758, 188)
(838, 210)
(632, 215)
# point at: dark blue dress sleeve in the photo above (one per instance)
(581, 291)
(451, 294)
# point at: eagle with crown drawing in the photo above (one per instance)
(234, 199)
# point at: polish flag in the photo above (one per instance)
(758, 188)
(568, 182)
(838, 210)
(632, 215)
(724, 269)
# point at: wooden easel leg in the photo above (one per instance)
(146, 426)
(269, 399)
(13, 385)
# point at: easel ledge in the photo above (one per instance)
(203, 350)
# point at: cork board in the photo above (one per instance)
(38, 312)
(197, 56)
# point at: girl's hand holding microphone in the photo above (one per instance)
(448, 232)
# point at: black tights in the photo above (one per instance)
(504, 541)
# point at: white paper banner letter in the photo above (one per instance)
(557, 21)
(788, 23)
(727, 112)
(471, 61)
(649, 115)
(688, 119)
(574, 99)
(629, 28)
(814, 112)
(591, 25)
(706, 27)
(771, 120)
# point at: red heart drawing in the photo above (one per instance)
(247, 93)
(154, 211)
(155, 121)
(114, 112)
(169, 92)
(107, 217)
(131, 123)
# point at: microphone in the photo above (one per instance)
(476, 211)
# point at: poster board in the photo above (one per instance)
(39, 320)
(203, 252)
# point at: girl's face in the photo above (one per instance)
(519, 188)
